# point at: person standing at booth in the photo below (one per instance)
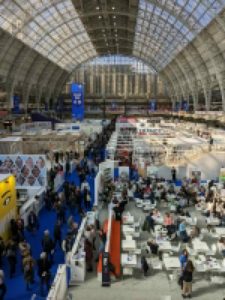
(174, 174)
(44, 272)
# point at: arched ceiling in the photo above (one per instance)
(68, 32)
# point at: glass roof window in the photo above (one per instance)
(49, 27)
(181, 20)
(137, 65)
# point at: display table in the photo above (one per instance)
(213, 221)
(127, 229)
(128, 219)
(128, 260)
(220, 231)
(203, 265)
(165, 246)
(171, 263)
(200, 246)
(129, 245)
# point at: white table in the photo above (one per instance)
(128, 260)
(171, 263)
(127, 229)
(213, 221)
(220, 231)
(200, 246)
(128, 220)
(128, 245)
(165, 246)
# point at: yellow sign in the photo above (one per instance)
(7, 204)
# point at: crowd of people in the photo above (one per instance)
(71, 200)
(180, 202)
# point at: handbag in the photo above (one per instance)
(180, 281)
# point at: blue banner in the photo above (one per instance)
(177, 106)
(77, 91)
(16, 104)
(185, 106)
(152, 105)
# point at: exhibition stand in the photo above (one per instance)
(59, 288)
(30, 200)
(77, 261)
(77, 256)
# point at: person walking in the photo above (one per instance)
(57, 234)
(48, 245)
(32, 221)
(44, 273)
(187, 279)
(3, 288)
(28, 270)
(174, 174)
(11, 256)
(2, 249)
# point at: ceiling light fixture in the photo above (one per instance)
(113, 7)
(97, 7)
(99, 17)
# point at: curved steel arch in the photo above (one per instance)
(86, 15)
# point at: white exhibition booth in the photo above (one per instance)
(76, 258)
(31, 200)
(58, 289)
(105, 173)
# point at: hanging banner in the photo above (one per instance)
(152, 105)
(77, 91)
(16, 104)
(184, 106)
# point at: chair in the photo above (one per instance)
(156, 265)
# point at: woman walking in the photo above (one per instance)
(187, 279)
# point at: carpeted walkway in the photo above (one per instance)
(16, 287)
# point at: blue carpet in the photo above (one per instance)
(16, 289)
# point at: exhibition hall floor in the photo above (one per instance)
(16, 288)
(159, 285)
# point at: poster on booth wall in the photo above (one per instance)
(7, 204)
(16, 104)
(77, 91)
(124, 173)
(222, 175)
(195, 175)
(30, 170)
(152, 171)
(152, 105)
